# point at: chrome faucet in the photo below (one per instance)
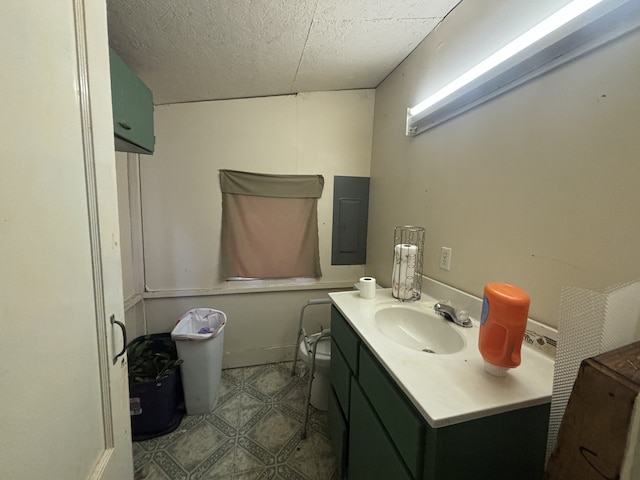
(459, 316)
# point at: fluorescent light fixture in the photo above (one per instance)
(573, 30)
(541, 30)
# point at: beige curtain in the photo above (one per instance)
(269, 225)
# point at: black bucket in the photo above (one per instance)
(156, 406)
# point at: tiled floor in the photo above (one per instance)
(254, 433)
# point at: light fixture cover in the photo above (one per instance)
(577, 28)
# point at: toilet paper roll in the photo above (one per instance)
(367, 287)
(404, 265)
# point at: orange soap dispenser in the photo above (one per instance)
(503, 322)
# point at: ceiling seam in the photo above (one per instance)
(304, 47)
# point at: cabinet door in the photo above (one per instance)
(337, 432)
(506, 446)
(339, 377)
(132, 104)
(403, 423)
(347, 340)
(371, 452)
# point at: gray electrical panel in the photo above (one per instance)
(350, 213)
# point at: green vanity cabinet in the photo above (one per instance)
(345, 345)
(337, 426)
(377, 432)
(346, 339)
(400, 419)
(506, 446)
(132, 105)
(340, 378)
(372, 454)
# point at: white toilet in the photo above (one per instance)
(320, 385)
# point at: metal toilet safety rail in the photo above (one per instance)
(312, 360)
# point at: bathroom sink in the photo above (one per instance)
(419, 330)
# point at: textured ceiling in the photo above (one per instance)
(192, 50)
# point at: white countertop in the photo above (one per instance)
(451, 388)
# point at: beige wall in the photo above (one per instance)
(261, 328)
(327, 133)
(130, 241)
(537, 187)
(126, 248)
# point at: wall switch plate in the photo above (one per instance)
(445, 258)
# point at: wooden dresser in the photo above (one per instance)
(595, 428)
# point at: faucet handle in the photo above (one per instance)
(459, 316)
(463, 317)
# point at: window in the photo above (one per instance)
(269, 225)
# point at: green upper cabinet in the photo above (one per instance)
(132, 104)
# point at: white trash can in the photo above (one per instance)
(199, 337)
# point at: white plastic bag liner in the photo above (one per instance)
(199, 324)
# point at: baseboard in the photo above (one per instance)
(258, 356)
